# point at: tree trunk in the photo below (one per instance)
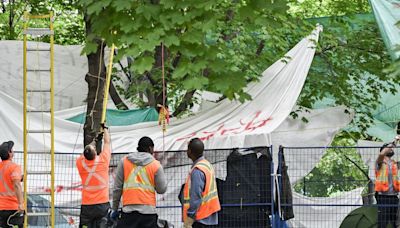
(119, 103)
(95, 79)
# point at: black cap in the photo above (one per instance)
(5, 148)
(385, 145)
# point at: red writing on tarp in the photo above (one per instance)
(257, 120)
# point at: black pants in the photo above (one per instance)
(387, 210)
(92, 215)
(201, 225)
(15, 220)
(137, 220)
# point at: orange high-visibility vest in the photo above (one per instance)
(95, 178)
(209, 197)
(139, 183)
(9, 171)
(382, 177)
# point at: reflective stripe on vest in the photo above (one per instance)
(139, 179)
(139, 183)
(92, 173)
(209, 200)
(382, 177)
(8, 191)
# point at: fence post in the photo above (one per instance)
(272, 189)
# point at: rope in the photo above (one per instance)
(163, 94)
(10, 217)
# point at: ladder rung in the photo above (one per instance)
(38, 31)
(33, 16)
(38, 90)
(48, 110)
(39, 172)
(39, 131)
(38, 70)
(39, 193)
(39, 49)
(37, 214)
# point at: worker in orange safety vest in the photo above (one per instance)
(11, 198)
(200, 196)
(138, 177)
(94, 172)
(387, 185)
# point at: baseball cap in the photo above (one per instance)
(5, 147)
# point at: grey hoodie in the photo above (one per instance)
(139, 159)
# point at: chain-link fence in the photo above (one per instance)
(310, 187)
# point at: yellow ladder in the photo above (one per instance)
(32, 176)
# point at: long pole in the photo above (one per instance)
(107, 86)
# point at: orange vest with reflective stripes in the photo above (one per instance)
(382, 178)
(95, 178)
(9, 171)
(139, 183)
(209, 197)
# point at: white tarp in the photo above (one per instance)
(317, 212)
(70, 69)
(230, 124)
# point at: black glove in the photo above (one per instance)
(103, 126)
(99, 137)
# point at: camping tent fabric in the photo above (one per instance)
(122, 117)
(229, 124)
(363, 217)
(387, 14)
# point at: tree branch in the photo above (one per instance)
(186, 102)
(3, 6)
(261, 46)
(119, 103)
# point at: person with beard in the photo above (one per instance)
(387, 185)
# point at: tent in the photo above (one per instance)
(363, 217)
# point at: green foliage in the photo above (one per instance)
(209, 45)
(348, 68)
(323, 8)
(68, 24)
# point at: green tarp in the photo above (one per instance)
(387, 14)
(387, 114)
(123, 117)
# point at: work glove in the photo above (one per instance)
(188, 223)
(99, 137)
(114, 216)
(103, 126)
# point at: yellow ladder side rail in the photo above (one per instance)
(107, 86)
(52, 119)
(26, 18)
